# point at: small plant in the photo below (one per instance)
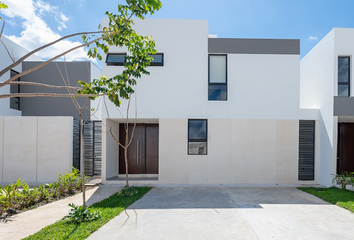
(78, 215)
(344, 179)
(10, 193)
(128, 192)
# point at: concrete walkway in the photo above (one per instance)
(229, 213)
(24, 224)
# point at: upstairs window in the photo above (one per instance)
(343, 76)
(14, 101)
(115, 59)
(197, 136)
(217, 90)
(157, 59)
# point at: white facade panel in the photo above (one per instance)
(35, 149)
(263, 86)
(179, 88)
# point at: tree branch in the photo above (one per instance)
(2, 72)
(52, 59)
(2, 28)
(49, 95)
(42, 85)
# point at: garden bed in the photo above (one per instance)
(19, 197)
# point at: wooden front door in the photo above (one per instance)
(143, 150)
(345, 149)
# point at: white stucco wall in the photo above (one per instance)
(179, 88)
(5, 60)
(260, 86)
(240, 151)
(35, 149)
(110, 149)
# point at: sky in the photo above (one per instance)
(32, 23)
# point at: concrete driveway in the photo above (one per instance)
(229, 213)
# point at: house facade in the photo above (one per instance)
(214, 111)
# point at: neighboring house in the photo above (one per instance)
(45, 140)
(326, 84)
(215, 111)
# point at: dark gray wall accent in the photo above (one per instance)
(343, 106)
(49, 74)
(254, 46)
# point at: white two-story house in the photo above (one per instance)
(214, 111)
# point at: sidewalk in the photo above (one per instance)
(24, 224)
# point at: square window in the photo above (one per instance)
(115, 59)
(197, 136)
(197, 148)
(217, 92)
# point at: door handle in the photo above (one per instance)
(137, 151)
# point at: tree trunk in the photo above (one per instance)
(82, 162)
(126, 166)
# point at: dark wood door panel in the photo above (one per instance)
(346, 148)
(151, 148)
(135, 160)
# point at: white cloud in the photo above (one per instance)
(36, 31)
(311, 38)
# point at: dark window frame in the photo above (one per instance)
(116, 63)
(349, 78)
(217, 84)
(198, 140)
(13, 73)
(157, 63)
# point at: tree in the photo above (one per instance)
(119, 33)
(139, 48)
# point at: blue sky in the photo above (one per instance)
(31, 23)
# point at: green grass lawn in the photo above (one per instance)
(109, 208)
(339, 197)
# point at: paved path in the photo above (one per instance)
(27, 223)
(229, 213)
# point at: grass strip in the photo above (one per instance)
(339, 197)
(109, 208)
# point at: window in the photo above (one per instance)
(197, 136)
(115, 59)
(217, 90)
(157, 59)
(14, 101)
(343, 76)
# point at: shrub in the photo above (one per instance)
(11, 196)
(344, 179)
(77, 214)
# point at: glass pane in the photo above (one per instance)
(115, 59)
(197, 148)
(343, 69)
(343, 91)
(14, 103)
(197, 130)
(14, 88)
(156, 58)
(217, 92)
(217, 69)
